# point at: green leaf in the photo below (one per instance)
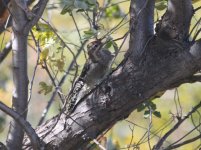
(141, 107)
(41, 27)
(81, 4)
(89, 33)
(80, 10)
(69, 6)
(152, 105)
(44, 88)
(157, 114)
(92, 2)
(146, 114)
(108, 44)
(113, 12)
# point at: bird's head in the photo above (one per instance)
(95, 45)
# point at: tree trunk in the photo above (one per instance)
(154, 63)
(20, 94)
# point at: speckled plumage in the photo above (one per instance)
(96, 67)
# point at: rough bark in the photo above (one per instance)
(163, 63)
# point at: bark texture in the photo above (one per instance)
(20, 94)
(154, 63)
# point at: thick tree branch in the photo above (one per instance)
(141, 26)
(175, 22)
(24, 124)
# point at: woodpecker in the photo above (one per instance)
(95, 69)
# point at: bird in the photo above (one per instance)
(96, 67)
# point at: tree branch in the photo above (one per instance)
(5, 51)
(37, 12)
(163, 63)
(141, 25)
(24, 124)
(20, 78)
(175, 22)
(161, 141)
(61, 82)
(184, 143)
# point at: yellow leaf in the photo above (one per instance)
(44, 54)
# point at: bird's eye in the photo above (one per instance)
(96, 45)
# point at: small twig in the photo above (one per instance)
(35, 68)
(192, 120)
(45, 111)
(184, 143)
(197, 33)
(149, 128)
(154, 133)
(78, 31)
(185, 135)
(62, 41)
(132, 130)
(177, 102)
(144, 138)
(161, 141)
(24, 124)
(5, 51)
(52, 79)
(194, 27)
(99, 145)
(198, 8)
(119, 25)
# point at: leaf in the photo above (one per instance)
(81, 4)
(108, 44)
(92, 2)
(89, 33)
(141, 107)
(41, 27)
(80, 10)
(44, 55)
(44, 88)
(152, 105)
(146, 114)
(69, 6)
(113, 12)
(157, 114)
(60, 65)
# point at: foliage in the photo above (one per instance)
(80, 5)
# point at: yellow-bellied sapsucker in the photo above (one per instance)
(96, 67)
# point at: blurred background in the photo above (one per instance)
(74, 30)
